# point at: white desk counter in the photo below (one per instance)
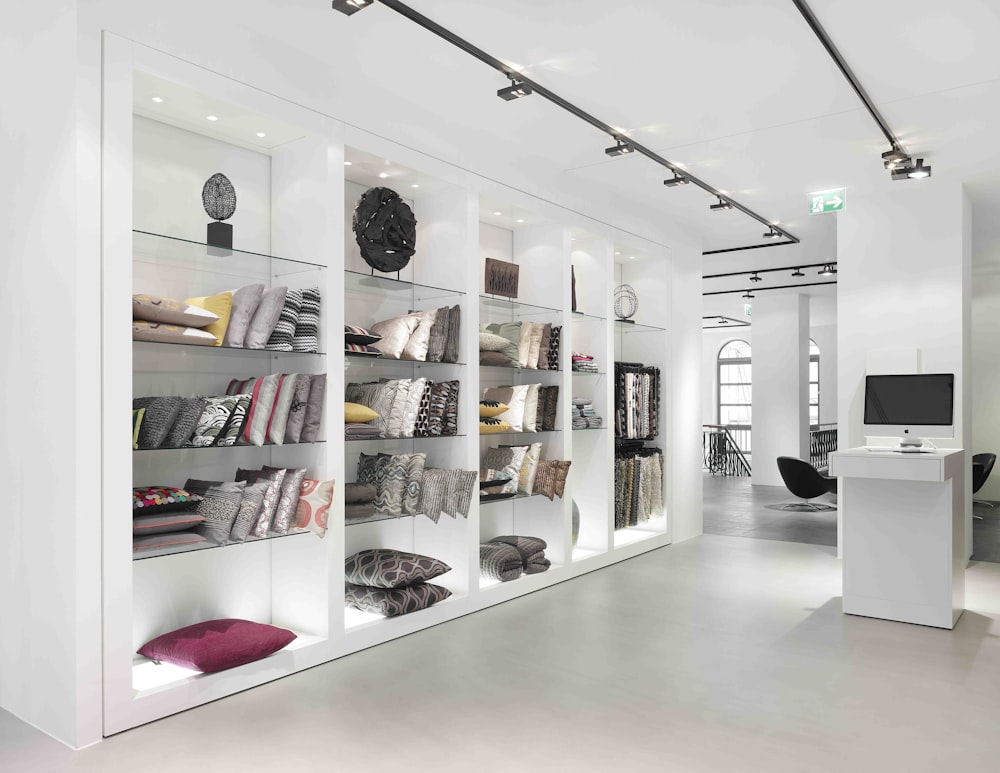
(903, 534)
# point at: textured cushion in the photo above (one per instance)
(386, 568)
(417, 346)
(392, 602)
(272, 496)
(159, 417)
(160, 332)
(314, 409)
(507, 460)
(265, 318)
(524, 343)
(216, 645)
(357, 413)
(450, 425)
(162, 499)
(514, 397)
(306, 336)
(490, 408)
(245, 302)
(170, 311)
(454, 334)
(163, 523)
(550, 408)
(493, 426)
(361, 350)
(458, 498)
(499, 562)
(283, 334)
(534, 343)
(495, 359)
(411, 409)
(414, 480)
(554, 336)
(530, 422)
(391, 485)
(280, 410)
(359, 335)
(512, 332)
(215, 418)
(199, 487)
(220, 506)
(259, 414)
(250, 509)
(288, 502)
(220, 304)
(550, 479)
(371, 468)
(491, 342)
(187, 420)
(230, 434)
(529, 468)
(313, 508)
(543, 347)
(395, 334)
(137, 414)
(439, 335)
(169, 539)
(297, 409)
(359, 493)
(397, 412)
(433, 491)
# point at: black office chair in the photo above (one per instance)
(982, 466)
(805, 482)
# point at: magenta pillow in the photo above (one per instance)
(216, 645)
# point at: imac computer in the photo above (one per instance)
(911, 406)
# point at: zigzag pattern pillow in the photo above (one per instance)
(305, 337)
(284, 331)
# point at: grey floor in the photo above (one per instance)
(716, 654)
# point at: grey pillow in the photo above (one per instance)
(414, 480)
(219, 507)
(288, 502)
(508, 461)
(297, 409)
(454, 329)
(439, 335)
(185, 423)
(245, 302)
(271, 496)
(387, 568)
(214, 420)
(433, 490)
(265, 318)
(389, 490)
(306, 335)
(283, 334)
(250, 506)
(314, 409)
(392, 602)
(282, 409)
(196, 486)
(397, 413)
(160, 415)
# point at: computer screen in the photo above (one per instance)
(911, 400)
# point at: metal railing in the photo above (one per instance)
(822, 440)
(721, 453)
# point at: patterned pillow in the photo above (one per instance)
(250, 508)
(389, 490)
(306, 336)
(169, 311)
(158, 332)
(270, 504)
(554, 347)
(162, 499)
(490, 408)
(397, 413)
(219, 507)
(493, 426)
(137, 414)
(282, 407)
(420, 426)
(245, 302)
(371, 468)
(314, 505)
(297, 409)
(358, 335)
(386, 568)
(283, 334)
(433, 490)
(439, 335)
(220, 304)
(458, 498)
(550, 479)
(450, 423)
(529, 468)
(454, 331)
(411, 409)
(393, 602)
(361, 350)
(549, 411)
(531, 408)
(159, 417)
(288, 502)
(164, 523)
(437, 403)
(543, 347)
(419, 342)
(265, 318)
(414, 479)
(314, 409)
(231, 432)
(259, 414)
(507, 460)
(514, 397)
(491, 342)
(214, 419)
(185, 423)
(395, 334)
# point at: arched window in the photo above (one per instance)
(813, 384)
(735, 384)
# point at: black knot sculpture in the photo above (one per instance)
(385, 229)
(218, 196)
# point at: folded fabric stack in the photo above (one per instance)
(269, 501)
(407, 407)
(533, 345)
(526, 472)
(392, 582)
(251, 317)
(422, 336)
(279, 408)
(507, 558)
(526, 408)
(638, 485)
(584, 415)
(584, 363)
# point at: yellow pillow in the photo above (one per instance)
(493, 426)
(220, 304)
(356, 413)
(490, 408)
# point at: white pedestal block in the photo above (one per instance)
(903, 534)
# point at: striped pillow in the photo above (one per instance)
(284, 331)
(306, 335)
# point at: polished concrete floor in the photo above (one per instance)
(715, 654)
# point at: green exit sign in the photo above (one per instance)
(821, 202)
(747, 310)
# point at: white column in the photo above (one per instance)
(780, 383)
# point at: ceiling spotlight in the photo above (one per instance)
(723, 204)
(827, 270)
(211, 118)
(620, 148)
(414, 185)
(894, 158)
(157, 100)
(677, 179)
(262, 134)
(516, 90)
(349, 7)
(798, 272)
(382, 175)
(498, 213)
(723, 321)
(755, 278)
(918, 171)
(747, 294)
(348, 163)
(520, 220)
(772, 234)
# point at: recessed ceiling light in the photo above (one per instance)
(618, 252)
(631, 257)
(498, 213)
(157, 99)
(348, 163)
(212, 117)
(261, 134)
(520, 220)
(383, 175)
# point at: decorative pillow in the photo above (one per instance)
(265, 317)
(371, 469)
(137, 415)
(433, 491)
(495, 359)
(514, 397)
(411, 408)
(199, 487)
(393, 602)
(361, 350)
(271, 497)
(314, 409)
(359, 493)
(531, 408)
(439, 335)
(297, 410)
(283, 334)
(524, 344)
(491, 342)
(529, 468)
(458, 498)
(152, 308)
(357, 413)
(219, 507)
(158, 418)
(397, 413)
(414, 480)
(282, 407)
(160, 332)
(233, 430)
(306, 336)
(162, 499)
(359, 335)
(250, 508)
(259, 415)
(550, 479)
(551, 404)
(314, 506)
(493, 426)
(386, 568)
(390, 489)
(375, 395)
(163, 523)
(554, 347)
(450, 424)
(490, 408)
(454, 332)
(543, 347)
(169, 539)
(512, 332)
(213, 420)
(416, 348)
(507, 460)
(420, 426)
(395, 334)
(291, 483)
(490, 478)
(241, 387)
(534, 344)
(185, 423)
(245, 302)
(220, 304)
(216, 645)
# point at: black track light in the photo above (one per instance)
(351, 6)
(723, 321)
(798, 272)
(747, 294)
(723, 204)
(620, 148)
(772, 234)
(516, 90)
(677, 179)
(827, 270)
(895, 158)
(918, 171)
(755, 278)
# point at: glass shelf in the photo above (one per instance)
(589, 373)
(624, 326)
(585, 429)
(580, 316)
(197, 256)
(376, 518)
(517, 432)
(142, 555)
(225, 351)
(519, 368)
(224, 448)
(509, 499)
(387, 287)
(363, 359)
(513, 309)
(387, 439)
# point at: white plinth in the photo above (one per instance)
(903, 534)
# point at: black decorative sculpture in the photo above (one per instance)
(385, 229)
(626, 303)
(219, 199)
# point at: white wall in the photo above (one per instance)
(986, 359)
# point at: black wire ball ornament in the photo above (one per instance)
(385, 229)
(626, 302)
(219, 197)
